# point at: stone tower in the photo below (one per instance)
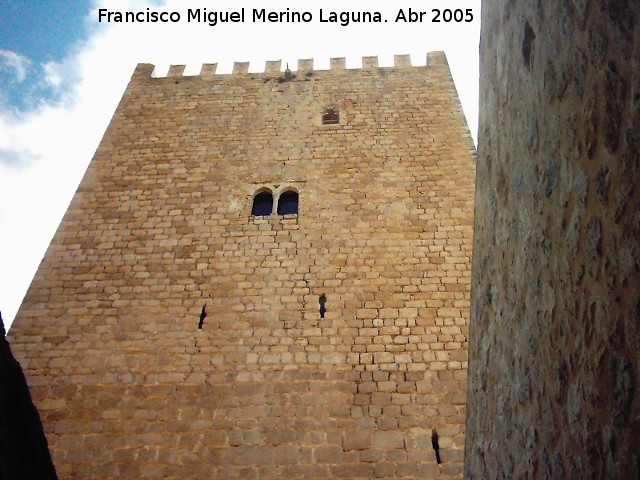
(262, 275)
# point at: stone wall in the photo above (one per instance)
(555, 330)
(128, 385)
(24, 454)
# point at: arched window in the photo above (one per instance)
(288, 203)
(330, 116)
(262, 204)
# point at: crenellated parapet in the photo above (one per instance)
(305, 66)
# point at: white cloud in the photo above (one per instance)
(18, 63)
(53, 73)
(56, 142)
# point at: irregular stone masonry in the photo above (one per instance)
(127, 384)
(554, 378)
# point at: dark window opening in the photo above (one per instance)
(288, 203)
(330, 116)
(323, 302)
(262, 204)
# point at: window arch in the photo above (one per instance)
(330, 116)
(288, 203)
(262, 204)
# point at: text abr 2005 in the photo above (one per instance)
(447, 15)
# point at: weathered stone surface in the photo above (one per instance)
(128, 385)
(554, 357)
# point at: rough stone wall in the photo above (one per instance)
(160, 227)
(24, 454)
(555, 329)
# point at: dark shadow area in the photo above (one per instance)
(24, 452)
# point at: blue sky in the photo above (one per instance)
(62, 75)
(32, 39)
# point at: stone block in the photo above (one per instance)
(251, 455)
(328, 454)
(358, 439)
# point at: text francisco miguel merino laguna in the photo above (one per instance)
(212, 18)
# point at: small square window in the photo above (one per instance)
(330, 116)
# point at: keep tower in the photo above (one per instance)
(262, 275)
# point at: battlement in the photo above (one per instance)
(275, 67)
